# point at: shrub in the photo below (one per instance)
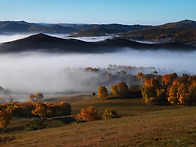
(37, 124)
(110, 113)
(90, 114)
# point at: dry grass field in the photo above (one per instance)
(140, 125)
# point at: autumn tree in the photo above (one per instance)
(35, 97)
(122, 88)
(114, 89)
(102, 92)
(64, 108)
(41, 110)
(168, 79)
(192, 93)
(90, 114)
(173, 94)
(153, 92)
(183, 94)
(5, 117)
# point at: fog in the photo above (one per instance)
(7, 38)
(26, 73)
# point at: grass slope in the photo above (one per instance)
(140, 125)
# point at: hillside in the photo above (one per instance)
(140, 125)
(45, 43)
(177, 32)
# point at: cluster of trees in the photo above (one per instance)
(170, 88)
(119, 89)
(91, 114)
(28, 109)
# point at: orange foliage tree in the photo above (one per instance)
(5, 117)
(90, 114)
(102, 92)
(177, 90)
(41, 110)
(121, 88)
(153, 92)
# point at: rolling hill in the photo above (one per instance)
(46, 43)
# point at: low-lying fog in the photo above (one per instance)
(41, 72)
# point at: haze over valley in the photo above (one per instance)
(30, 71)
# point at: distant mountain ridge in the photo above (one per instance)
(181, 32)
(46, 43)
(25, 27)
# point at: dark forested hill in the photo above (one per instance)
(45, 43)
(178, 32)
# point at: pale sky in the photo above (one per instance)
(98, 11)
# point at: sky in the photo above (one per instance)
(152, 12)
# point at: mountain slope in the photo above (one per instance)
(178, 32)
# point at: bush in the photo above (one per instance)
(90, 114)
(110, 113)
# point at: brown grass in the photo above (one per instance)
(160, 128)
(140, 125)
